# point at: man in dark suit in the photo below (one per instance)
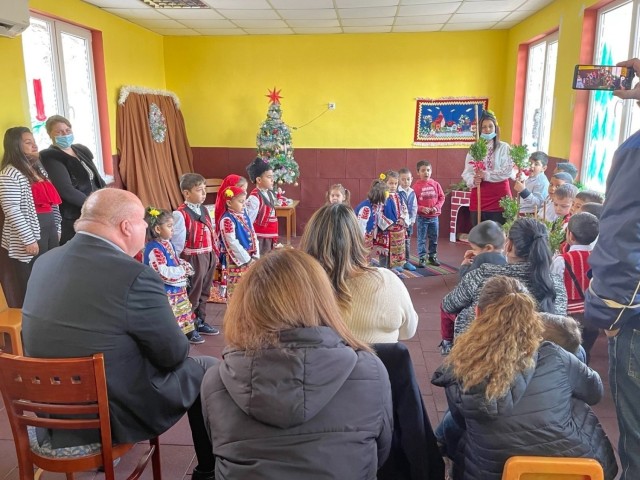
(91, 296)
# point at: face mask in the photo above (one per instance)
(488, 136)
(64, 141)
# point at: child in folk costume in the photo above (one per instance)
(392, 239)
(370, 214)
(261, 205)
(239, 241)
(160, 255)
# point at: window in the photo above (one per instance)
(60, 80)
(538, 103)
(610, 120)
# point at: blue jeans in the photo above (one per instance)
(427, 228)
(448, 435)
(624, 378)
(407, 242)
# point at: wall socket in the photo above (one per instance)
(331, 106)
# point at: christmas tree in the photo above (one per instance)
(274, 143)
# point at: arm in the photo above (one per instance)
(168, 275)
(383, 222)
(57, 218)
(557, 266)
(386, 431)
(236, 251)
(468, 172)
(151, 322)
(59, 176)
(252, 205)
(534, 193)
(560, 304)
(179, 237)
(407, 311)
(363, 216)
(502, 165)
(10, 193)
(463, 295)
(440, 200)
(585, 383)
(414, 208)
(390, 211)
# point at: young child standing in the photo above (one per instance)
(370, 214)
(547, 212)
(239, 241)
(567, 167)
(160, 255)
(533, 191)
(563, 198)
(392, 239)
(487, 246)
(338, 194)
(585, 196)
(408, 197)
(196, 241)
(261, 206)
(573, 265)
(430, 198)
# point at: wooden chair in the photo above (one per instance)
(212, 185)
(63, 387)
(552, 468)
(11, 325)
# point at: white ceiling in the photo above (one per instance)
(282, 17)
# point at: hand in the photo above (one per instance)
(401, 222)
(469, 255)
(477, 181)
(612, 333)
(634, 93)
(32, 248)
(518, 186)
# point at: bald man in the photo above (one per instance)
(91, 296)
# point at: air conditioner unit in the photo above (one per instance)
(14, 17)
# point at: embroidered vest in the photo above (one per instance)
(200, 232)
(266, 222)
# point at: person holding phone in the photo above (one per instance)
(613, 298)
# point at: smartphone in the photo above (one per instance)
(602, 77)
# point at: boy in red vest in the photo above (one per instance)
(573, 265)
(261, 205)
(196, 241)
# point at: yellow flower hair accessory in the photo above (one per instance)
(228, 193)
(382, 177)
(386, 194)
(154, 212)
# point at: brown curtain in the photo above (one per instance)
(151, 169)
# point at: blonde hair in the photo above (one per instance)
(262, 307)
(501, 341)
(333, 237)
(344, 191)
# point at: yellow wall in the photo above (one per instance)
(373, 78)
(133, 56)
(568, 16)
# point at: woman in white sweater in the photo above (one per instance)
(375, 304)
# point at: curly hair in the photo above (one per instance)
(501, 341)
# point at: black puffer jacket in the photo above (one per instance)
(311, 408)
(546, 412)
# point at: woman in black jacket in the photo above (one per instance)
(71, 170)
(511, 393)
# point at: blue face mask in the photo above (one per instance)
(488, 136)
(64, 141)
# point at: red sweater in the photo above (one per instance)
(429, 194)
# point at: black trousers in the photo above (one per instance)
(199, 433)
(495, 216)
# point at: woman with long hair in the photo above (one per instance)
(374, 302)
(30, 205)
(510, 393)
(296, 395)
(528, 260)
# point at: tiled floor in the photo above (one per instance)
(177, 452)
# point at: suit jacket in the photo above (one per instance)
(88, 297)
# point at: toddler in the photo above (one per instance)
(239, 241)
(487, 243)
(408, 198)
(393, 238)
(533, 191)
(338, 194)
(586, 196)
(160, 255)
(430, 199)
(196, 241)
(370, 214)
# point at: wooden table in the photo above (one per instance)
(289, 214)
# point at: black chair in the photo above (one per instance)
(414, 450)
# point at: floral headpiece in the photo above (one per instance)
(232, 191)
(154, 212)
(382, 177)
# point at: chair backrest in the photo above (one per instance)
(55, 388)
(212, 185)
(552, 468)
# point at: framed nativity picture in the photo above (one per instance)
(447, 121)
